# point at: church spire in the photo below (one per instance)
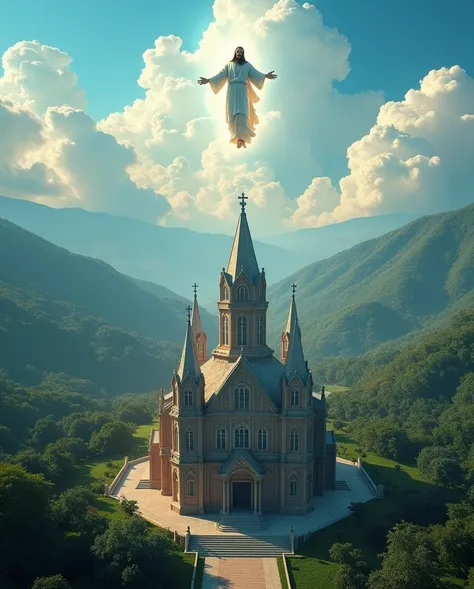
(188, 364)
(242, 257)
(295, 363)
(290, 322)
(199, 336)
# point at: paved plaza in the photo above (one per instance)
(328, 508)
(241, 573)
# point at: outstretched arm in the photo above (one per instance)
(257, 78)
(217, 81)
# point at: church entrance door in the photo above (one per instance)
(242, 495)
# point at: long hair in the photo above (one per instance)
(234, 59)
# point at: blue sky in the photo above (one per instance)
(394, 44)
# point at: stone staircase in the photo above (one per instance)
(240, 546)
(144, 484)
(342, 486)
(241, 523)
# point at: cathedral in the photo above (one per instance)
(241, 429)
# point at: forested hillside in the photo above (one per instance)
(382, 289)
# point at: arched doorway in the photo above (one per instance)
(243, 491)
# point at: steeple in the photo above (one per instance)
(188, 363)
(199, 336)
(295, 363)
(242, 256)
(292, 318)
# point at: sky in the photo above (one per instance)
(372, 111)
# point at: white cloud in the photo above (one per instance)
(166, 158)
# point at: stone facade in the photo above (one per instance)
(242, 429)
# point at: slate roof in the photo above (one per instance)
(267, 371)
(242, 256)
(188, 363)
(196, 324)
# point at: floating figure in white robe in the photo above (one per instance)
(241, 117)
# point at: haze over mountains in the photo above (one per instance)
(62, 312)
(176, 257)
(382, 289)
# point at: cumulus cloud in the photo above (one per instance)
(166, 158)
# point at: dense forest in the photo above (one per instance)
(46, 436)
(417, 408)
(387, 288)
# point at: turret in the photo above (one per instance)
(199, 336)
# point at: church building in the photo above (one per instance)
(242, 429)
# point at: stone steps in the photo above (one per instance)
(342, 486)
(144, 484)
(240, 546)
(241, 524)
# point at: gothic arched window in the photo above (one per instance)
(225, 294)
(261, 294)
(225, 330)
(189, 440)
(242, 396)
(242, 330)
(242, 437)
(260, 331)
(262, 439)
(200, 347)
(294, 440)
(188, 398)
(220, 438)
(191, 491)
(293, 486)
(176, 439)
(242, 293)
(295, 398)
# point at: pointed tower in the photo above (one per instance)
(298, 384)
(188, 382)
(199, 336)
(242, 305)
(292, 317)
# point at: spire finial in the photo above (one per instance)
(242, 199)
(293, 289)
(195, 287)
(188, 311)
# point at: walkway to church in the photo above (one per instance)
(328, 508)
(241, 573)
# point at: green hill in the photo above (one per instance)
(35, 264)
(65, 313)
(382, 289)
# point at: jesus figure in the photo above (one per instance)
(241, 117)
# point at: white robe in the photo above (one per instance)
(241, 117)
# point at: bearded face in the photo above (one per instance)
(240, 55)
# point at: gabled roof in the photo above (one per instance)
(188, 364)
(266, 371)
(242, 257)
(241, 458)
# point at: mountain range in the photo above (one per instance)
(412, 278)
(63, 312)
(177, 257)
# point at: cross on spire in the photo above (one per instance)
(195, 287)
(188, 311)
(242, 199)
(293, 289)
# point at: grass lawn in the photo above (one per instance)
(281, 571)
(336, 388)
(103, 470)
(369, 530)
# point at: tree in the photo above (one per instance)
(352, 573)
(131, 554)
(45, 431)
(72, 511)
(53, 582)
(113, 438)
(24, 511)
(409, 562)
(129, 506)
